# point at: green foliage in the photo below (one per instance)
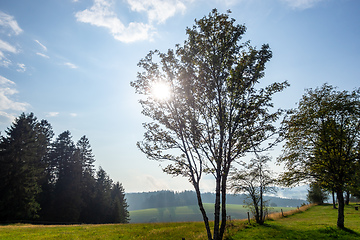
(316, 194)
(216, 113)
(322, 141)
(54, 181)
(255, 180)
(21, 167)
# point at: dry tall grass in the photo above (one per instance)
(279, 215)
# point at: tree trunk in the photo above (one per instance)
(261, 217)
(333, 199)
(217, 204)
(223, 206)
(202, 210)
(347, 198)
(340, 220)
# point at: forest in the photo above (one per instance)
(53, 180)
(166, 198)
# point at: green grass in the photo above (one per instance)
(189, 230)
(318, 222)
(188, 213)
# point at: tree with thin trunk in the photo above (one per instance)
(212, 113)
(255, 180)
(322, 141)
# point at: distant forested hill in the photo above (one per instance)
(160, 199)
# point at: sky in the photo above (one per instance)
(71, 62)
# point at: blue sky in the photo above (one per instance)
(71, 62)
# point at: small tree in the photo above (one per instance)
(255, 180)
(316, 194)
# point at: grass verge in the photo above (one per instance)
(318, 222)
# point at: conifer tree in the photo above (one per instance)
(22, 153)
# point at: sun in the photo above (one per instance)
(161, 91)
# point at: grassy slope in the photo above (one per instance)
(318, 222)
(188, 213)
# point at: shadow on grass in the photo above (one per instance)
(273, 231)
(351, 231)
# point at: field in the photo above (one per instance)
(318, 222)
(188, 213)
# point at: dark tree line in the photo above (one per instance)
(161, 199)
(54, 180)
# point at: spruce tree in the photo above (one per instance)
(22, 153)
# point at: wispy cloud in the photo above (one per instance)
(8, 26)
(8, 21)
(41, 45)
(73, 114)
(157, 10)
(42, 55)
(7, 106)
(301, 4)
(70, 65)
(6, 47)
(52, 114)
(102, 14)
(21, 67)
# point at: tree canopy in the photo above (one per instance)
(322, 140)
(215, 113)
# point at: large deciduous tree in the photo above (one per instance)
(322, 141)
(214, 113)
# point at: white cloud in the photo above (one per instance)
(21, 67)
(301, 4)
(158, 10)
(41, 45)
(4, 62)
(6, 104)
(52, 114)
(70, 65)
(73, 114)
(42, 55)
(5, 81)
(102, 15)
(5, 46)
(8, 21)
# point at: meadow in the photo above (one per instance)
(189, 213)
(317, 222)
